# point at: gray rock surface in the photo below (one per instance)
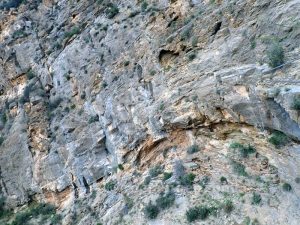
(84, 92)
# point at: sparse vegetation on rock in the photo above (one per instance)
(278, 139)
(110, 185)
(275, 54)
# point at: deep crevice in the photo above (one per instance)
(217, 27)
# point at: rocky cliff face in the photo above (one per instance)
(106, 104)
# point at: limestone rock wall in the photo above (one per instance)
(85, 88)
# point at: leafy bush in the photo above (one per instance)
(144, 6)
(235, 145)
(204, 181)
(128, 202)
(296, 103)
(30, 74)
(3, 118)
(239, 169)
(152, 72)
(126, 63)
(297, 180)
(167, 176)
(275, 54)
(256, 198)
(286, 187)
(278, 139)
(187, 179)
(191, 56)
(4, 213)
(121, 167)
(44, 209)
(56, 219)
(72, 32)
(155, 171)
(93, 119)
(110, 185)
(1, 140)
(151, 211)
(111, 10)
(165, 200)
(223, 180)
(227, 206)
(244, 150)
(196, 213)
(186, 33)
(247, 150)
(147, 180)
(11, 4)
(193, 149)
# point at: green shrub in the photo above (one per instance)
(253, 43)
(191, 56)
(278, 139)
(236, 145)
(155, 171)
(4, 213)
(11, 4)
(74, 31)
(256, 198)
(204, 181)
(223, 180)
(297, 180)
(151, 211)
(144, 6)
(1, 140)
(196, 213)
(275, 54)
(147, 180)
(44, 209)
(93, 119)
(296, 103)
(192, 214)
(194, 41)
(56, 219)
(186, 33)
(228, 206)
(126, 63)
(187, 179)
(110, 185)
(30, 74)
(239, 169)
(121, 167)
(128, 202)
(244, 150)
(193, 149)
(3, 118)
(111, 10)
(152, 72)
(165, 201)
(247, 221)
(167, 176)
(286, 187)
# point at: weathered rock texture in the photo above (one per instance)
(84, 91)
